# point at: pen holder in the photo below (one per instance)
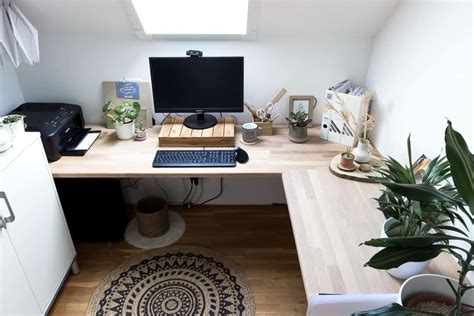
(267, 127)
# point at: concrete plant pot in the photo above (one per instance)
(298, 134)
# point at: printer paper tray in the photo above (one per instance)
(83, 146)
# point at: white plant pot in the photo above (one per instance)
(408, 269)
(125, 131)
(15, 130)
(430, 284)
(363, 152)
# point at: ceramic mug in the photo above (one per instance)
(250, 132)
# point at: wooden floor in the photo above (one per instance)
(259, 238)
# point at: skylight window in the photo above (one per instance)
(192, 16)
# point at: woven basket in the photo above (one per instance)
(152, 217)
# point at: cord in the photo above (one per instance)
(189, 193)
(218, 195)
(162, 190)
(133, 185)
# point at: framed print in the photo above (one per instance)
(305, 103)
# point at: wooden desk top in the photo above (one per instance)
(330, 218)
(113, 158)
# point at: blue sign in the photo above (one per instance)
(127, 90)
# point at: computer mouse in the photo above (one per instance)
(241, 155)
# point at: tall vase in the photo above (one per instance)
(363, 152)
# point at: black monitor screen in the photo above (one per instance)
(187, 84)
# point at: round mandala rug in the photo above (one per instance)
(174, 281)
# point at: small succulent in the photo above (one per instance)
(121, 114)
(348, 152)
(299, 119)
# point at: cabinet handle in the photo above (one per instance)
(9, 219)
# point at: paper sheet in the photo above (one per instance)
(87, 142)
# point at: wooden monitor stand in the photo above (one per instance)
(175, 134)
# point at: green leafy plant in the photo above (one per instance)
(399, 250)
(412, 217)
(121, 114)
(348, 152)
(11, 119)
(299, 119)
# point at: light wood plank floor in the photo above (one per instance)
(259, 238)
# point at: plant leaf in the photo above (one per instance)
(421, 192)
(394, 257)
(461, 161)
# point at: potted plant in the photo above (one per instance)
(407, 217)
(140, 131)
(400, 250)
(123, 116)
(298, 132)
(14, 124)
(347, 160)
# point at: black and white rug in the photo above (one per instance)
(174, 281)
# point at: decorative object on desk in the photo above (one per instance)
(123, 116)
(152, 217)
(174, 281)
(14, 124)
(363, 151)
(129, 90)
(346, 117)
(298, 131)
(302, 103)
(177, 227)
(250, 133)
(354, 174)
(265, 116)
(140, 131)
(347, 160)
(433, 198)
(365, 167)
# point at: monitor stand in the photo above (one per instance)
(200, 121)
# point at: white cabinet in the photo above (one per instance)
(39, 234)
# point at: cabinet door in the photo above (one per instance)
(39, 233)
(16, 297)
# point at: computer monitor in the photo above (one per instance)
(197, 85)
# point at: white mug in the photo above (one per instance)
(250, 132)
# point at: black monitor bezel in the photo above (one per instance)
(157, 109)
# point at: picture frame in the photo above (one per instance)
(306, 103)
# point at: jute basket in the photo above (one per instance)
(152, 217)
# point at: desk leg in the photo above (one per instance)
(75, 268)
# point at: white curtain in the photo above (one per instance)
(18, 37)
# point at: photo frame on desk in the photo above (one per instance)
(306, 103)
(133, 90)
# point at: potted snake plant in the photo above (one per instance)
(420, 292)
(123, 117)
(298, 131)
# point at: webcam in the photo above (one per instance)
(194, 53)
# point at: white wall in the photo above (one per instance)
(420, 68)
(10, 91)
(72, 68)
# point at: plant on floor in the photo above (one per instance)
(121, 114)
(399, 250)
(413, 217)
(299, 119)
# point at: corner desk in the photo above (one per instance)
(330, 216)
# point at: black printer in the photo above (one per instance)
(61, 125)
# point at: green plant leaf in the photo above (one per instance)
(392, 310)
(393, 257)
(119, 110)
(106, 106)
(410, 160)
(132, 114)
(136, 106)
(421, 192)
(461, 161)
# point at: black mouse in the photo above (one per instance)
(241, 155)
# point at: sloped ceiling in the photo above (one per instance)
(268, 18)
